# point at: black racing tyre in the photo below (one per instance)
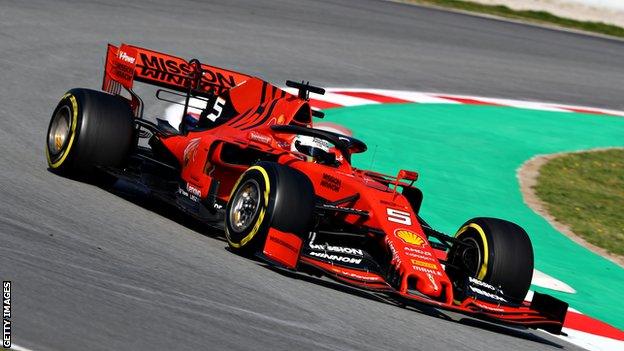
(267, 195)
(89, 128)
(501, 254)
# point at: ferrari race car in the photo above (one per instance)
(249, 162)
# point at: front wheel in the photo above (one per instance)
(499, 253)
(268, 195)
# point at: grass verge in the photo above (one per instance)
(586, 192)
(531, 16)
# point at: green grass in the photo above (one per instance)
(532, 16)
(586, 191)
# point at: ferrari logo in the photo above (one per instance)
(409, 237)
(280, 119)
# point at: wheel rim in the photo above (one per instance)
(471, 257)
(60, 130)
(245, 206)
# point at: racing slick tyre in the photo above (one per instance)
(499, 253)
(89, 128)
(267, 195)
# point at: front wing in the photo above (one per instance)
(543, 312)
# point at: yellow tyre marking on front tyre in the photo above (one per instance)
(72, 134)
(483, 269)
(256, 227)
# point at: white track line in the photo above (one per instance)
(339, 99)
(413, 96)
(591, 342)
(19, 348)
(543, 280)
(531, 105)
(436, 97)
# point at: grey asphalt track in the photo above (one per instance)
(92, 271)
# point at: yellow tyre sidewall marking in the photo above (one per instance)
(260, 218)
(74, 122)
(483, 268)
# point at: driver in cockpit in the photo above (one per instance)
(315, 149)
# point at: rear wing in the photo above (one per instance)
(127, 63)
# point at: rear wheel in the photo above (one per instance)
(499, 253)
(89, 128)
(268, 195)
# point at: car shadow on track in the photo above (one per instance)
(508, 330)
(318, 279)
(136, 196)
(130, 192)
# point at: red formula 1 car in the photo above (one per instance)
(251, 164)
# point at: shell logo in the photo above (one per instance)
(409, 237)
